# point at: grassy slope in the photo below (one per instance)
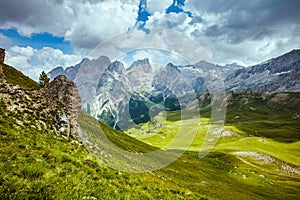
(15, 77)
(261, 115)
(41, 165)
(220, 175)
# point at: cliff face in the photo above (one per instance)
(2, 55)
(1, 73)
(63, 96)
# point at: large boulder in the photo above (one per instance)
(63, 97)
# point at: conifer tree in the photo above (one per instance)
(44, 79)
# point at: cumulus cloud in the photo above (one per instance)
(173, 21)
(98, 22)
(32, 61)
(84, 23)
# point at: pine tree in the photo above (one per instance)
(44, 80)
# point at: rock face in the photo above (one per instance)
(279, 74)
(63, 96)
(1, 73)
(2, 55)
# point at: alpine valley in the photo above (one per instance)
(51, 148)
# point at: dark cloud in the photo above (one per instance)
(244, 20)
(18, 10)
(36, 16)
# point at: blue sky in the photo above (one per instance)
(38, 41)
(42, 34)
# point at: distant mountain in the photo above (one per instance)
(121, 97)
(281, 74)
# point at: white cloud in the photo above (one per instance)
(158, 5)
(84, 23)
(100, 21)
(175, 21)
(32, 61)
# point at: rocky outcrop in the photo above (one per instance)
(52, 109)
(26, 108)
(63, 97)
(1, 73)
(2, 55)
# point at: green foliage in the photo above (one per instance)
(44, 80)
(16, 77)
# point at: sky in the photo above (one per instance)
(43, 34)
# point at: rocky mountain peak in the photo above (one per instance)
(233, 65)
(144, 61)
(139, 67)
(104, 59)
(204, 64)
(170, 65)
(116, 66)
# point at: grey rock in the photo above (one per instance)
(2, 55)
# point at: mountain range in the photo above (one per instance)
(122, 97)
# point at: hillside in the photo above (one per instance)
(40, 160)
(16, 77)
(273, 115)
